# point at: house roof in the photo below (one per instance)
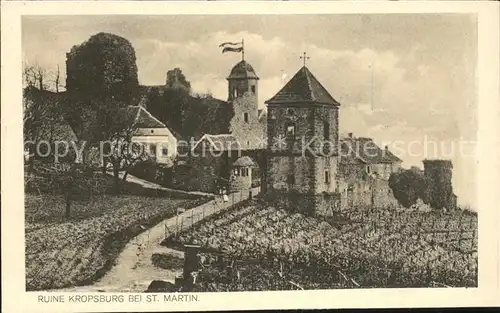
(222, 142)
(242, 70)
(244, 161)
(142, 118)
(303, 88)
(366, 150)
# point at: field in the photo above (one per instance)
(62, 253)
(257, 247)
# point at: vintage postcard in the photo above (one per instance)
(196, 156)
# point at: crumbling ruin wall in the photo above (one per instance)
(105, 63)
(439, 189)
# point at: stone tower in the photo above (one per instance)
(243, 95)
(302, 151)
(105, 63)
(439, 189)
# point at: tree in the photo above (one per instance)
(171, 108)
(116, 124)
(75, 182)
(408, 186)
(70, 180)
(42, 110)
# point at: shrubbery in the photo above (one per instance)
(408, 186)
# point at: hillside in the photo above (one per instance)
(257, 247)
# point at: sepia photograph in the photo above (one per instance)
(213, 156)
(251, 154)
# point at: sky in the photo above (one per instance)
(405, 80)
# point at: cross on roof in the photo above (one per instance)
(305, 57)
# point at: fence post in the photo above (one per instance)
(192, 217)
(190, 265)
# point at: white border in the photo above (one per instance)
(15, 299)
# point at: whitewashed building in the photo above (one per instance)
(159, 141)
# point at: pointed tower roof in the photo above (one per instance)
(303, 88)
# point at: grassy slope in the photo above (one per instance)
(63, 253)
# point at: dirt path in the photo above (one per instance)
(134, 270)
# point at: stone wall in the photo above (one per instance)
(362, 194)
(240, 182)
(384, 170)
(200, 174)
(382, 194)
(320, 167)
(301, 164)
(308, 204)
(240, 87)
(438, 175)
(279, 118)
(249, 133)
(280, 168)
(352, 169)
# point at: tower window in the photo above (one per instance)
(326, 130)
(235, 92)
(244, 172)
(253, 89)
(290, 130)
(327, 177)
(368, 169)
(245, 117)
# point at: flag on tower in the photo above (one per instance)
(229, 44)
(231, 49)
(232, 46)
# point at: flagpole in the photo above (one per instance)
(371, 85)
(242, 49)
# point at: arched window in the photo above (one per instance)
(245, 117)
(235, 92)
(253, 89)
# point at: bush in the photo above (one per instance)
(408, 186)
